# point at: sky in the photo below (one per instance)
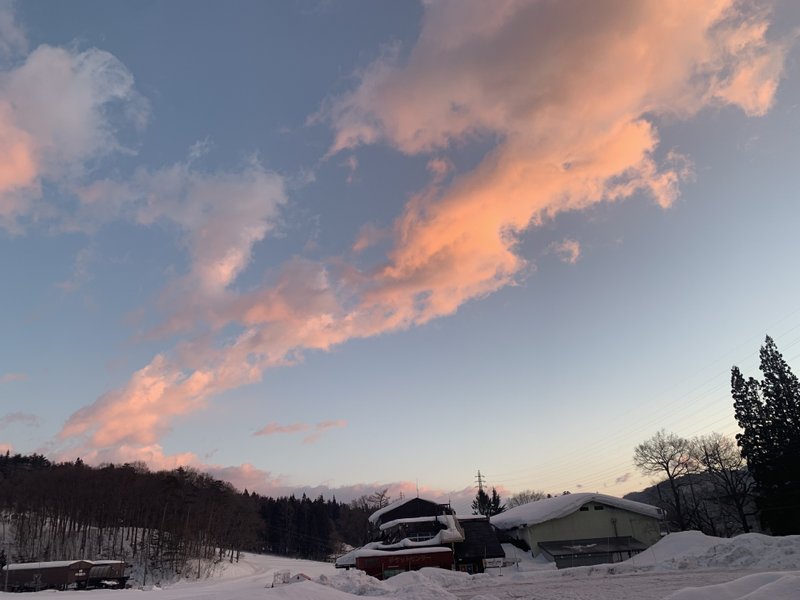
(333, 246)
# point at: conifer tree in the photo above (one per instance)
(496, 505)
(769, 414)
(480, 505)
(483, 504)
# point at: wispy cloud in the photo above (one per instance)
(623, 478)
(273, 428)
(567, 250)
(13, 41)
(81, 271)
(351, 164)
(221, 216)
(321, 428)
(12, 377)
(19, 418)
(316, 430)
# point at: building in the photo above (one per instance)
(583, 529)
(64, 574)
(414, 533)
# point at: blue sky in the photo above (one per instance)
(336, 246)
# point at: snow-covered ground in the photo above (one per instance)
(682, 566)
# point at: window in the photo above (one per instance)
(599, 507)
(584, 508)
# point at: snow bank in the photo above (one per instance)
(694, 550)
(761, 586)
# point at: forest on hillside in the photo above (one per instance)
(170, 521)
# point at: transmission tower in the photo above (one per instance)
(480, 479)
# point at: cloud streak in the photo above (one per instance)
(316, 430)
(19, 418)
(12, 377)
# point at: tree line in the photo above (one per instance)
(176, 521)
(723, 486)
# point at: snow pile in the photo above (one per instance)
(694, 550)
(761, 586)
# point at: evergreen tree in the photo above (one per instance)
(769, 414)
(480, 506)
(496, 505)
(483, 504)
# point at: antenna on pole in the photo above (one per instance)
(417, 488)
(480, 479)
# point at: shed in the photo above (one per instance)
(56, 574)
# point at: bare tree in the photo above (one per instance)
(670, 455)
(524, 497)
(379, 499)
(727, 470)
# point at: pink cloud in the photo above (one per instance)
(316, 430)
(273, 428)
(321, 428)
(141, 411)
(369, 235)
(11, 377)
(570, 93)
(6, 448)
(439, 167)
(247, 476)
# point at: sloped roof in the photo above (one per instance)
(376, 516)
(548, 509)
(50, 564)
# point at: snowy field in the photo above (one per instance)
(682, 566)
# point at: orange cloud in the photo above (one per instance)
(18, 168)
(570, 93)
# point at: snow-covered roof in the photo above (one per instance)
(373, 518)
(548, 509)
(50, 564)
(452, 533)
(448, 521)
